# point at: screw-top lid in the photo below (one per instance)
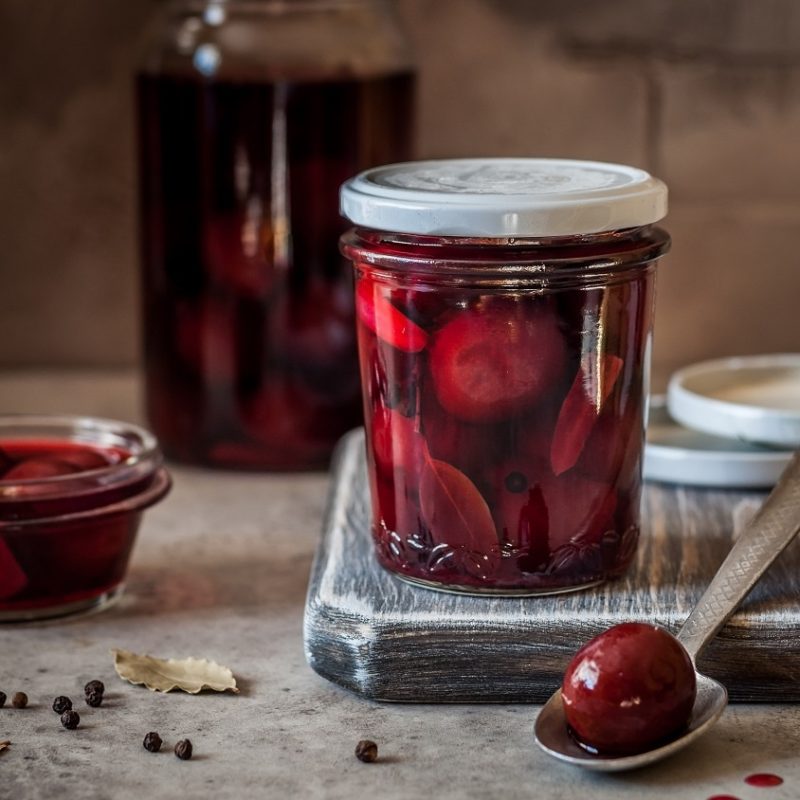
(675, 454)
(489, 197)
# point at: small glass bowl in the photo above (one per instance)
(72, 493)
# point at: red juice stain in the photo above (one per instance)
(763, 780)
(723, 797)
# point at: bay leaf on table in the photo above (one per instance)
(190, 675)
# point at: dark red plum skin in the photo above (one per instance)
(628, 689)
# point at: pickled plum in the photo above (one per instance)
(496, 361)
(86, 459)
(628, 689)
(39, 467)
(34, 460)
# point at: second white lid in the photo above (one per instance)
(751, 398)
(501, 197)
(675, 454)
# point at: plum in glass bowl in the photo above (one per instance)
(72, 493)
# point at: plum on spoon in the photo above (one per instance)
(773, 528)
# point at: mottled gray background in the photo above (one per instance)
(704, 93)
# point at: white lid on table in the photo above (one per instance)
(675, 454)
(503, 197)
(750, 398)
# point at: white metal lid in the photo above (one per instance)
(487, 197)
(750, 398)
(675, 454)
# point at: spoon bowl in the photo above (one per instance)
(767, 536)
(553, 737)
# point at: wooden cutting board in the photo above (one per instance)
(384, 639)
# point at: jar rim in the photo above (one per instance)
(501, 197)
(588, 259)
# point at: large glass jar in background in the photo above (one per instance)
(251, 114)
(504, 318)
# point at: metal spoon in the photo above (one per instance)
(772, 529)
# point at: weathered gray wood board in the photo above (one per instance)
(384, 639)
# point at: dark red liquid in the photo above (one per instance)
(505, 426)
(250, 351)
(47, 559)
(33, 468)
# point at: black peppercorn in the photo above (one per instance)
(183, 749)
(94, 687)
(2, 699)
(70, 720)
(19, 700)
(367, 751)
(94, 699)
(152, 742)
(62, 704)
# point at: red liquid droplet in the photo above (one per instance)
(723, 797)
(763, 780)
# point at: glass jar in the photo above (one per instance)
(504, 322)
(72, 494)
(251, 114)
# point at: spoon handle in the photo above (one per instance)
(774, 526)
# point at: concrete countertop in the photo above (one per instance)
(220, 571)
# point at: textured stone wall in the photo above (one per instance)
(704, 93)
